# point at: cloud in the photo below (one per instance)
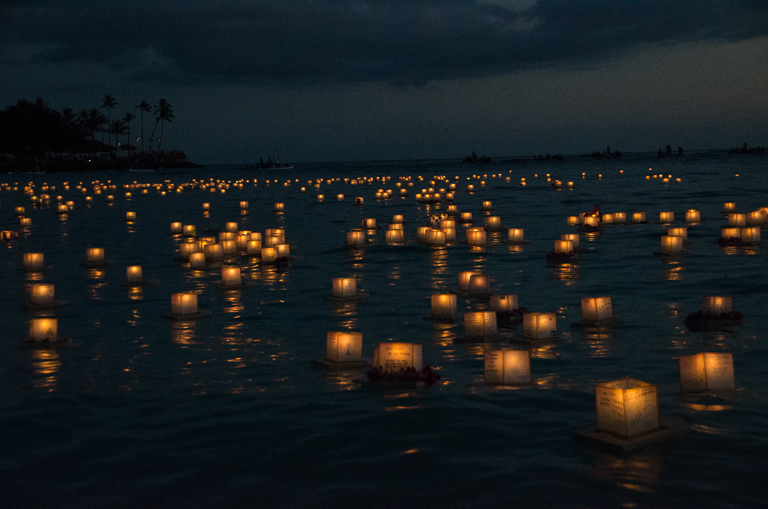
(401, 42)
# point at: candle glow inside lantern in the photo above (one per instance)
(479, 285)
(398, 219)
(627, 407)
(478, 324)
(750, 235)
(393, 236)
(475, 236)
(42, 294)
(421, 233)
(737, 219)
(729, 207)
(756, 218)
(563, 247)
(356, 237)
(671, 245)
(369, 223)
(638, 217)
(61, 208)
(507, 367)
(539, 325)
(230, 276)
(244, 205)
(692, 216)
(466, 217)
(619, 217)
(487, 205)
(189, 230)
(34, 261)
(444, 306)
(504, 304)
(678, 232)
(268, 255)
(396, 356)
(43, 329)
(133, 274)
(130, 216)
(213, 252)
(436, 237)
(712, 305)
(229, 248)
(573, 237)
(493, 222)
(344, 287)
(706, 371)
(176, 228)
(279, 207)
(253, 248)
(666, 217)
(516, 235)
(607, 219)
(344, 346)
(283, 250)
(231, 227)
(594, 309)
(95, 255)
(184, 303)
(186, 249)
(730, 233)
(464, 277)
(197, 260)
(573, 220)
(591, 222)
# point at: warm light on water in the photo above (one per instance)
(226, 409)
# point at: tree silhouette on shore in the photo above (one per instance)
(143, 106)
(109, 102)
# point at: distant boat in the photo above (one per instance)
(272, 164)
(474, 159)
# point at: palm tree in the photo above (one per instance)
(144, 106)
(109, 102)
(127, 119)
(164, 113)
(117, 127)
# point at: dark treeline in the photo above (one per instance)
(35, 137)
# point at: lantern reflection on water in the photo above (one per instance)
(706, 371)
(507, 367)
(627, 407)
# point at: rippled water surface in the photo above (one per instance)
(139, 410)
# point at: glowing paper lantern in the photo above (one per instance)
(421, 234)
(750, 235)
(507, 367)
(356, 237)
(95, 256)
(184, 303)
(466, 217)
(573, 237)
(398, 219)
(231, 227)
(450, 234)
(61, 208)
(396, 356)
(44, 329)
(737, 219)
(666, 217)
(42, 294)
(344, 287)
(197, 261)
(393, 236)
(627, 407)
(619, 217)
(671, 245)
(563, 247)
(487, 205)
(516, 236)
(130, 217)
(436, 237)
(283, 251)
(213, 253)
(369, 223)
(638, 217)
(344, 347)
(729, 207)
(493, 222)
(189, 230)
(478, 324)
(706, 371)
(464, 277)
(229, 248)
(539, 325)
(253, 248)
(692, 216)
(279, 207)
(186, 249)
(244, 205)
(479, 285)
(756, 218)
(268, 255)
(504, 304)
(594, 309)
(730, 233)
(573, 220)
(230, 277)
(607, 219)
(133, 274)
(712, 305)
(176, 228)
(678, 232)
(475, 236)
(444, 306)
(591, 222)
(34, 261)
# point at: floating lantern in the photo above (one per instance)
(396, 356)
(369, 223)
(750, 235)
(186, 249)
(283, 251)
(253, 248)
(268, 255)
(596, 309)
(19, 211)
(607, 219)
(44, 330)
(359, 201)
(507, 367)
(678, 232)
(737, 219)
(436, 237)
(470, 188)
(421, 234)
(346, 347)
(95, 256)
(61, 208)
(466, 217)
(241, 241)
(563, 248)
(393, 236)
(231, 227)
(42, 294)
(398, 219)
(539, 325)
(493, 223)
(344, 287)
(479, 285)
(504, 304)
(189, 230)
(226, 236)
(25, 222)
(279, 207)
(729, 207)
(320, 197)
(666, 217)
(130, 217)
(229, 248)
(230, 277)
(244, 205)
(396, 226)
(692, 216)
(638, 217)
(756, 218)
(476, 236)
(450, 234)
(464, 277)
(444, 306)
(591, 222)
(197, 260)
(732, 234)
(34, 261)
(712, 305)
(516, 236)
(356, 237)
(256, 236)
(213, 252)
(487, 205)
(573, 237)
(627, 407)
(671, 245)
(133, 274)
(573, 220)
(340, 197)
(706, 371)
(479, 324)
(184, 304)
(176, 228)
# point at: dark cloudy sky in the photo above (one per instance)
(357, 80)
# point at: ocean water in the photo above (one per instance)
(142, 411)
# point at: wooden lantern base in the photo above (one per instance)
(96, 265)
(606, 323)
(28, 344)
(360, 295)
(29, 306)
(241, 286)
(185, 317)
(671, 426)
(340, 366)
(139, 284)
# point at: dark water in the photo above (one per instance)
(228, 410)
